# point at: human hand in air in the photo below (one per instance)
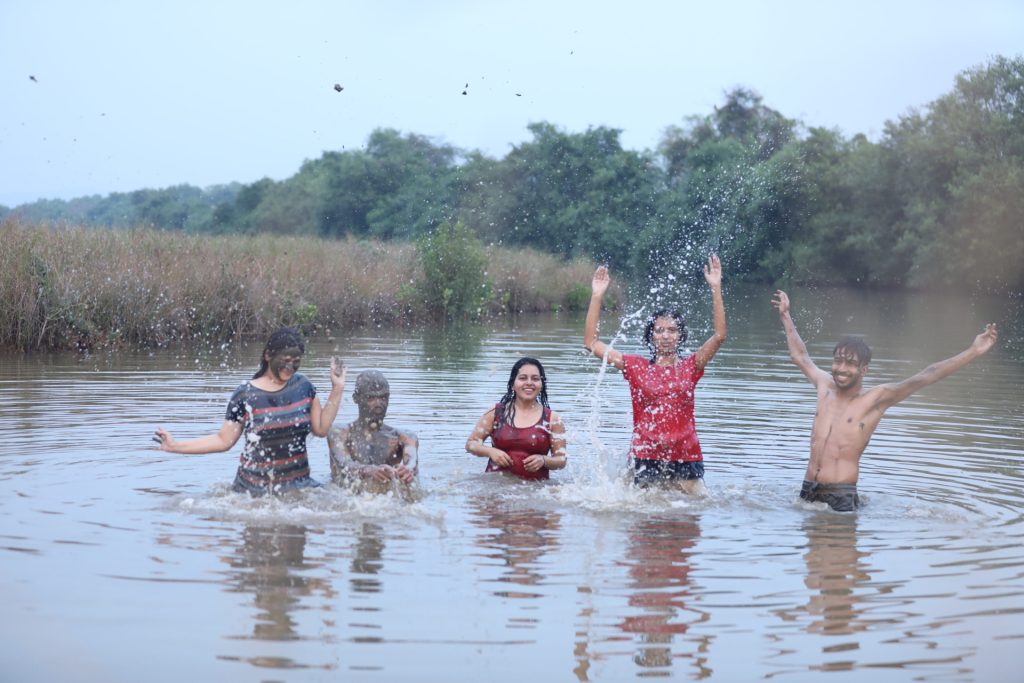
(338, 372)
(781, 302)
(533, 463)
(601, 281)
(987, 339)
(500, 457)
(164, 438)
(713, 272)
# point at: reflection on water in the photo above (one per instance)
(268, 563)
(367, 559)
(584, 577)
(660, 556)
(517, 540)
(837, 574)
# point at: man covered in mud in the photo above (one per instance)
(369, 454)
(847, 414)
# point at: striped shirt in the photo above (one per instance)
(275, 427)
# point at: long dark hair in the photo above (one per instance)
(284, 338)
(676, 315)
(508, 403)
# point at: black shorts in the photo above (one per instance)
(648, 472)
(840, 497)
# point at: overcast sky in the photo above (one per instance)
(103, 97)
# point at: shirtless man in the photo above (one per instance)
(847, 414)
(369, 453)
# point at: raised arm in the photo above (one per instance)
(797, 348)
(891, 394)
(223, 440)
(598, 288)
(321, 419)
(713, 275)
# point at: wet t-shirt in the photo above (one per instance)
(663, 423)
(275, 426)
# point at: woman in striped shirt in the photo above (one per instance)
(276, 410)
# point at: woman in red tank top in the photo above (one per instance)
(527, 437)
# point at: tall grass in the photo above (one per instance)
(84, 288)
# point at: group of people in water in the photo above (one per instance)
(278, 408)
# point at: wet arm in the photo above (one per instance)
(590, 340)
(222, 441)
(321, 419)
(475, 444)
(891, 394)
(711, 346)
(557, 459)
(797, 348)
(410, 451)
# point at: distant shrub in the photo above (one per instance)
(455, 284)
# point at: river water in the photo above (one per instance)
(122, 563)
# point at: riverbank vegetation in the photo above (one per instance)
(84, 288)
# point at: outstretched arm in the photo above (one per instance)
(713, 275)
(223, 440)
(891, 394)
(598, 288)
(797, 348)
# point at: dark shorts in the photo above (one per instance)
(840, 497)
(648, 472)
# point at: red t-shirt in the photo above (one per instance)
(663, 424)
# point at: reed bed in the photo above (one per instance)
(82, 288)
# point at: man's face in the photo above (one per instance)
(373, 404)
(847, 370)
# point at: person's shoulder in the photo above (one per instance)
(242, 389)
(631, 360)
(338, 430)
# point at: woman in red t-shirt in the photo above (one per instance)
(527, 437)
(665, 448)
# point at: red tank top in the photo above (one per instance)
(663, 424)
(519, 442)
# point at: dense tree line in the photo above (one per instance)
(938, 200)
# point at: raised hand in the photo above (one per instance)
(987, 339)
(713, 271)
(601, 281)
(338, 372)
(781, 302)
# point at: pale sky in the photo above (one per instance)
(131, 95)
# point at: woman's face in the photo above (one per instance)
(665, 335)
(285, 364)
(528, 384)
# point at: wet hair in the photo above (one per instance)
(854, 346)
(508, 402)
(676, 315)
(370, 382)
(284, 338)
